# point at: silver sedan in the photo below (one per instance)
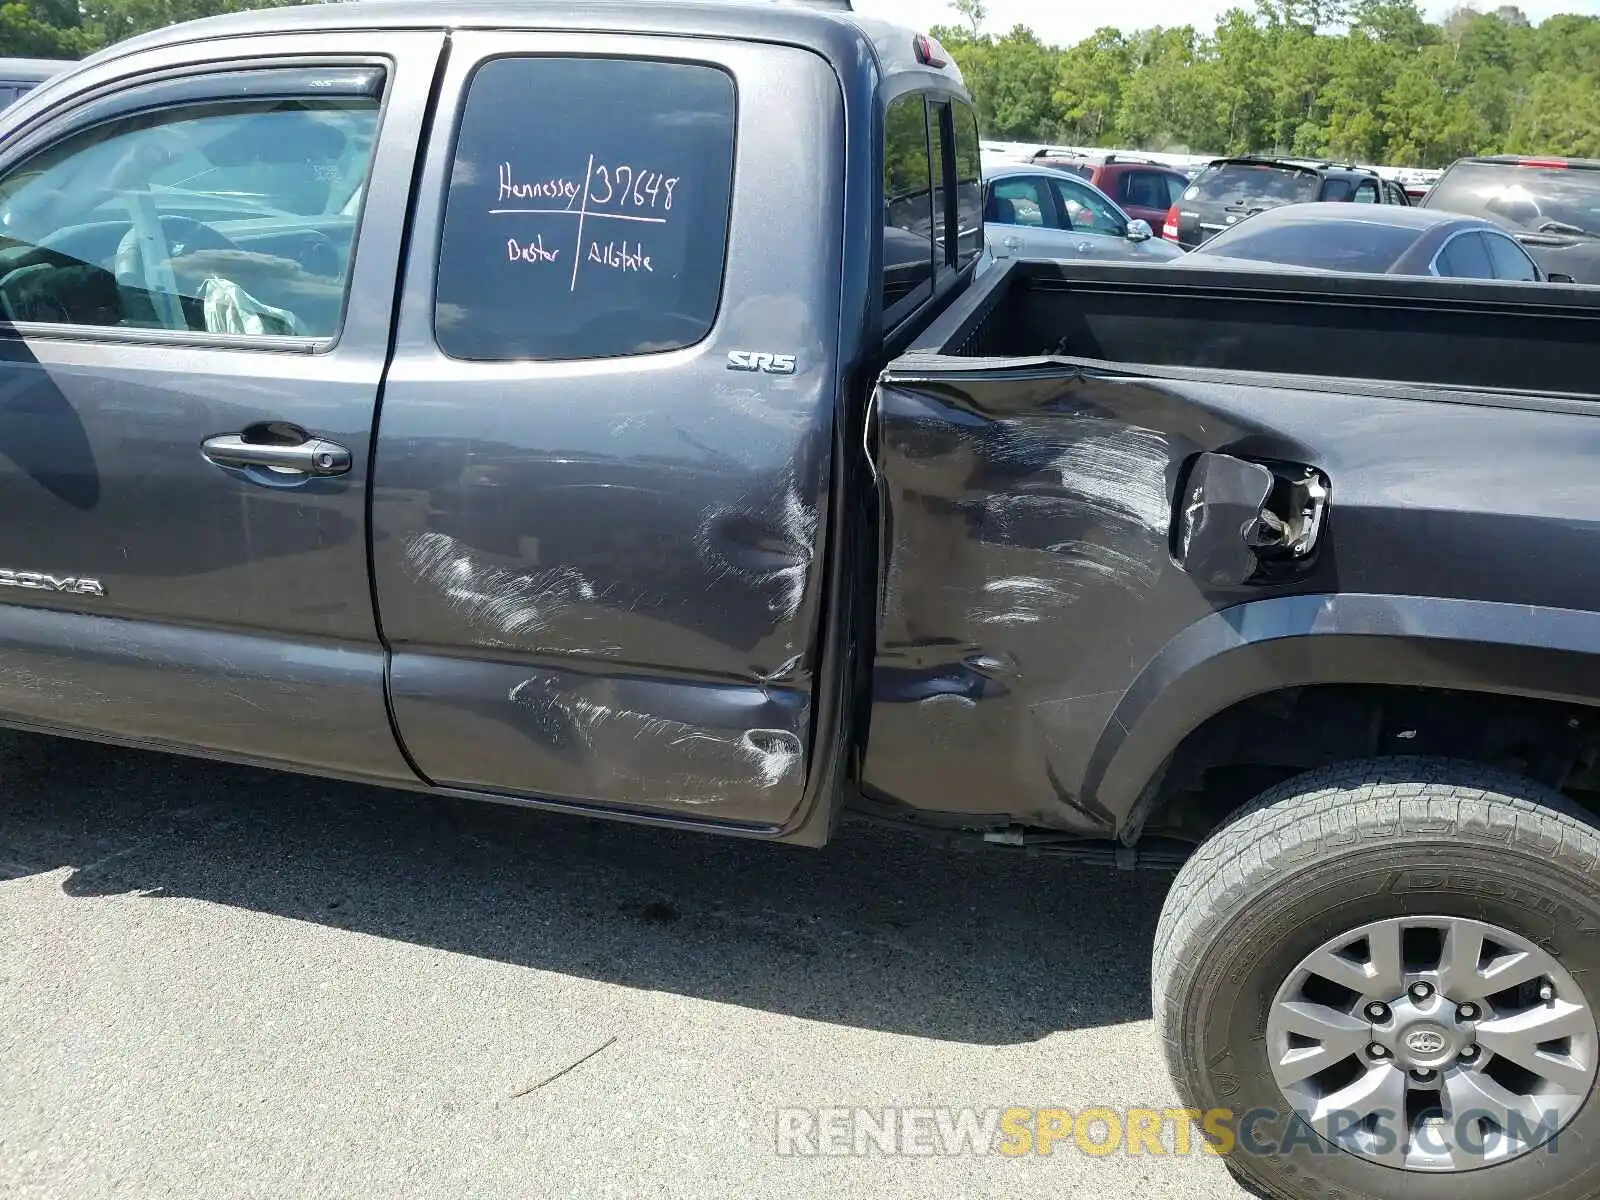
(1038, 212)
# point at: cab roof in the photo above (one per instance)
(826, 26)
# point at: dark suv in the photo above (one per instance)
(1550, 205)
(1230, 189)
(1141, 187)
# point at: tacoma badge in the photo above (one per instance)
(41, 582)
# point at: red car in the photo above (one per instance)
(1141, 187)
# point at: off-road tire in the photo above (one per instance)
(1327, 852)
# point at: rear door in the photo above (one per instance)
(196, 308)
(604, 453)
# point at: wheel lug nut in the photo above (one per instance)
(1467, 1012)
(1546, 992)
(1422, 1074)
(1421, 991)
(1378, 1050)
(1377, 1011)
(1468, 1053)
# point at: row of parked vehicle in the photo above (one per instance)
(1505, 217)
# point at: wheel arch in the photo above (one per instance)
(1254, 649)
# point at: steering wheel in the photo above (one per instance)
(182, 235)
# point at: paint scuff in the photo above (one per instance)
(1122, 471)
(628, 742)
(508, 602)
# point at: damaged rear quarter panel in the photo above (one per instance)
(1028, 577)
(1025, 520)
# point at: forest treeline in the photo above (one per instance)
(1371, 81)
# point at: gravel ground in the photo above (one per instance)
(225, 982)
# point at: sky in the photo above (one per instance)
(1065, 23)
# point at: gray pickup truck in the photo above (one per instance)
(591, 407)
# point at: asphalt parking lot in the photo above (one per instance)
(227, 982)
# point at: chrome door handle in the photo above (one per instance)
(1012, 243)
(311, 457)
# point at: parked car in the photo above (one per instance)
(1230, 189)
(1550, 205)
(687, 503)
(1141, 187)
(1375, 239)
(1039, 212)
(19, 76)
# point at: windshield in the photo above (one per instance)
(1254, 185)
(1327, 245)
(1521, 197)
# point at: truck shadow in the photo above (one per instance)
(880, 930)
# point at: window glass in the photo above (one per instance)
(1545, 199)
(1336, 189)
(1175, 188)
(1367, 193)
(1322, 243)
(908, 204)
(1510, 260)
(969, 184)
(1465, 257)
(598, 229)
(1086, 211)
(1394, 193)
(938, 114)
(221, 218)
(1018, 201)
(1255, 186)
(1146, 189)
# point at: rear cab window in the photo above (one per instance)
(969, 184)
(598, 230)
(931, 153)
(908, 240)
(1253, 185)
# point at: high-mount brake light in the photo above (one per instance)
(929, 52)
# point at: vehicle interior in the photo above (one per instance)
(223, 220)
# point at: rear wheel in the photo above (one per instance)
(1387, 974)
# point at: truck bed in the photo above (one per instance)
(1050, 634)
(1520, 337)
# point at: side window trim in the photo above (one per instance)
(265, 80)
(944, 171)
(964, 114)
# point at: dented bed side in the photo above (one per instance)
(1048, 633)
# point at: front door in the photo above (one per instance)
(190, 356)
(605, 447)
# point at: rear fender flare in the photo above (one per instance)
(1296, 641)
